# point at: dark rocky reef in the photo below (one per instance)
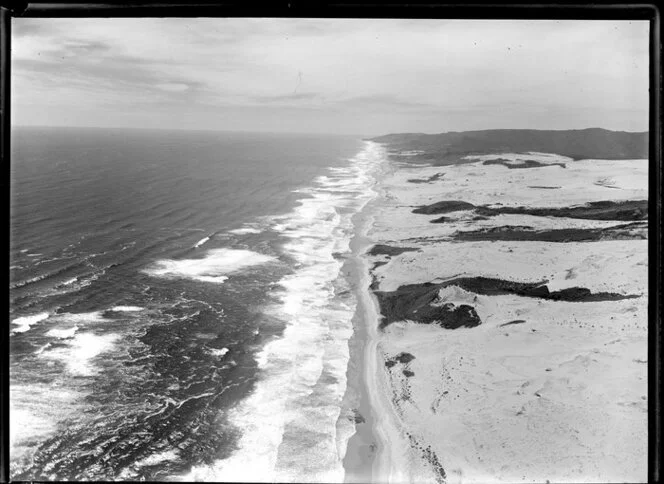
(414, 302)
(631, 231)
(380, 249)
(523, 163)
(450, 148)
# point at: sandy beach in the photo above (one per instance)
(507, 340)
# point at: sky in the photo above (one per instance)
(342, 76)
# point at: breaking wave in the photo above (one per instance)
(290, 421)
(214, 267)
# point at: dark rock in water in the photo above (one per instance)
(445, 206)
(408, 373)
(380, 249)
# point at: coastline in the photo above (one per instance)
(362, 457)
(370, 455)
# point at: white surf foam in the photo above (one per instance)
(61, 333)
(25, 322)
(80, 351)
(212, 268)
(201, 242)
(34, 412)
(289, 422)
(127, 309)
(218, 352)
(89, 317)
(42, 348)
(157, 458)
(245, 230)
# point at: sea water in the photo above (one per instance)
(178, 308)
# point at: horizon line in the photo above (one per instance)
(309, 133)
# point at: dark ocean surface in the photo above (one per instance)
(158, 279)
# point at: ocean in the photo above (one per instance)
(178, 308)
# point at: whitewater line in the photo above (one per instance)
(289, 422)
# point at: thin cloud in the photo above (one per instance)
(385, 101)
(294, 96)
(334, 74)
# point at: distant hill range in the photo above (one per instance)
(577, 144)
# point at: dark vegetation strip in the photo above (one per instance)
(602, 210)
(431, 458)
(414, 301)
(627, 210)
(445, 206)
(523, 163)
(516, 321)
(632, 231)
(431, 179)
(400, 358)
(380, 249)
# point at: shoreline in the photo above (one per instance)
(368, 456)
(360, 456)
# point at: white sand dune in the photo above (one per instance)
(558, 395)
